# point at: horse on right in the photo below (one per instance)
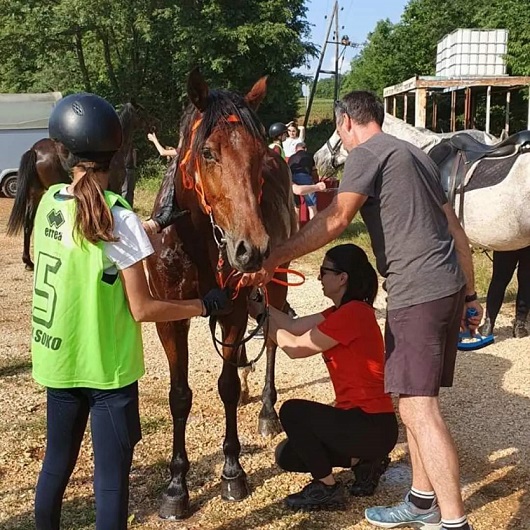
(487, 182)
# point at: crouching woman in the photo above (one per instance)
(360, 430)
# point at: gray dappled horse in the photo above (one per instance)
(488, 182)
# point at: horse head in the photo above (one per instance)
(330, 157)
(222, 162)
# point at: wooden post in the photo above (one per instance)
(467, 107)
(507, 117)
(488, 109)
(528, 116)
(420, 119)
(385, 101)
(394, 105)
(453, 111)
(405, 106)
(434, 122)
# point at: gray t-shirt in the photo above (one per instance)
(403, 213)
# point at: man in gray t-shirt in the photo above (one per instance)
(424, 254)
(404, 215)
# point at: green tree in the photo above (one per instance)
(144, 49)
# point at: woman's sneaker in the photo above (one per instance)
(317, 496)
(367, 474)
(405, 514)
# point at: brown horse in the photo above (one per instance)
(41, 167)
(239, 198)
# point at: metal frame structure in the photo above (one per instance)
(421, 86)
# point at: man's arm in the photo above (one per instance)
(465, 259)
(323, 228)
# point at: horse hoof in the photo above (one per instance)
(173, 508)
(29, 266)
(269, 427)
(234, 489)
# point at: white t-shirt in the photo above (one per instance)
(133, 244)
(289, 144)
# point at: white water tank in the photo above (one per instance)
(472, 52)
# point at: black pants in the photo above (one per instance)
(115, 425)
(320, 437)
(504, 264)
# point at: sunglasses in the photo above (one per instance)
(323, 270)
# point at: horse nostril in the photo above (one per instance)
(243, 252)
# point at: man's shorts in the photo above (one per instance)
(421, 345)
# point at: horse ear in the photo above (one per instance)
(198, 90)
(257, 93)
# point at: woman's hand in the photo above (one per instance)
(152, 137)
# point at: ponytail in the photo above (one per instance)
(93, 219)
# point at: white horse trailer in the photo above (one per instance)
(23, 121)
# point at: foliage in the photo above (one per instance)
(395, 52)
(326, 87)
(143, 50)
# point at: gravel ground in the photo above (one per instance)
(488, 412)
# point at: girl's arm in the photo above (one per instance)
(145, 308)
(298, 338)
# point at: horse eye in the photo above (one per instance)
(207, 154)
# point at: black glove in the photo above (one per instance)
(217, 302)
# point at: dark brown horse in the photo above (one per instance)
(41, 167)
(239, 198)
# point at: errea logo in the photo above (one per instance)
(55, 220)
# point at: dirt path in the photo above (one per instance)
(488, 411)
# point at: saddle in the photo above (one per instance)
(456, 155)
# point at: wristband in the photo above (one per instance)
(471, 297)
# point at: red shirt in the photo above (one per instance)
(356, 363)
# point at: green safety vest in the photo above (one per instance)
(273, 145)
(83, 332)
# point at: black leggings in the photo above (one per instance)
(321, 437)
(504, 264)
(115, 424)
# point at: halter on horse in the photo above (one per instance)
(239, 198)
(41, 167)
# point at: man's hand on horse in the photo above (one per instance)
(259, 278)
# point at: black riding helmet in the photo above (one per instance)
(87, 125)
(277, 129)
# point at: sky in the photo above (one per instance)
(356, 19)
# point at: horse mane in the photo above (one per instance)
(221, 105)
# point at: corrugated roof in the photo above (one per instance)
(27, 111)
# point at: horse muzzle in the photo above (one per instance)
(245, 256)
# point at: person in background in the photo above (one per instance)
(277, 134)
(504, 265)
(296, 135)
(163, 151)
(302, 166)
(90, 295)
(360, 429)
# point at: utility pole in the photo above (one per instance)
(343, 41)
(334, 16)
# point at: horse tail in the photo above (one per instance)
(27, 175)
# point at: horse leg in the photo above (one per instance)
(174, 337)
(244, 396)
(29, 219)
(234, 485)
(269, 423)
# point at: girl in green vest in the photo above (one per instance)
(90, 295)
